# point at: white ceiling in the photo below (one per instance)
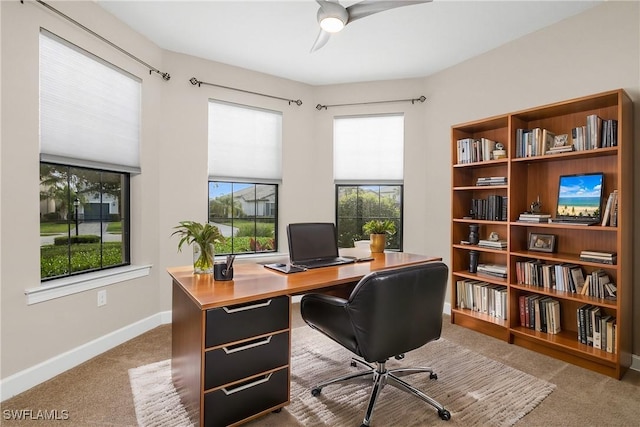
(275, 37)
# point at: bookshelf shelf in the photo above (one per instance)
(536, 179)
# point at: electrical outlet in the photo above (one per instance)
(102, 298)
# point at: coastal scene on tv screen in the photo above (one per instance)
(580, 195)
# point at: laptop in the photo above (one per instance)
(314, 245)
(579, 199)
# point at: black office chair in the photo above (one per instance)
(388, 313)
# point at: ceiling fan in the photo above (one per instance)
(333, 17)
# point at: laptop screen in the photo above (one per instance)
(580, 196)
(311, 240)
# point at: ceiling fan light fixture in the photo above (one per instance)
(331, 24)
(332, 17)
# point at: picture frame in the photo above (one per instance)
(542, 242)
(561, 140)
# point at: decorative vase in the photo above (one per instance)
(378, 242)
(203, 259)
(474, 236)
(473, 261)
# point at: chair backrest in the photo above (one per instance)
(396, 311)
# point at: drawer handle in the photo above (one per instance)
(246, 307)
(247, 346)
(246, 386)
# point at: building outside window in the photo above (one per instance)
(89, 149)
(245, 214)
(244, 172)
(368, 159)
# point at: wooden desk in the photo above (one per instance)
(231, 342)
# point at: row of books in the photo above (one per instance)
(492, 180)
(472, 150)
(596, 328)
(564, 277)
(610, 216)
(493, 208)
(540, 313)
(598, 284)
(533, 142)
(603, 257)
(482, 297)
(598, 133)
(493, 244)
(492, 270)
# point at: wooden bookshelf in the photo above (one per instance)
(530, 178)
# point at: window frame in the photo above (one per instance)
(400, 219)
(275, 209)
(125, 218)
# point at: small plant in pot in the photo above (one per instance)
(378, 231)
(202, 237)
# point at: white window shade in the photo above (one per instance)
(368, 148)
(244, 143)
(89, 110)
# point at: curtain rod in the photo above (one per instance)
(195, 81)
(413, 101)
(165, 76)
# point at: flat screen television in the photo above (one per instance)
(580, 196)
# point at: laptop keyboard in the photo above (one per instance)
(325, 262)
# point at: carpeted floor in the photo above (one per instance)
(496, 395)
(98, 392)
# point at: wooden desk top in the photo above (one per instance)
(254, 282)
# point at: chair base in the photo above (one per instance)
(382, 376)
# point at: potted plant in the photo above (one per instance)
(203, 237)
(378, 231)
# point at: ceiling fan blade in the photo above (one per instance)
(321, 40)
(369, 7)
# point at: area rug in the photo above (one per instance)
(476, 390)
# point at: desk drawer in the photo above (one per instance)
(229, 405)
(232, 363)
(238, 322)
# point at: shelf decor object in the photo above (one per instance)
(552, 279)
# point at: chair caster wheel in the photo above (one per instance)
(399, 357)
(445, 415)
(277, 411)
(433, 376)
(315, 391)
(353, 363)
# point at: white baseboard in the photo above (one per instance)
(30, 377)
(635, 363)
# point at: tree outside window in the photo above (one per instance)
(357, 204)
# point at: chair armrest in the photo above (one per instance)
(328, 314)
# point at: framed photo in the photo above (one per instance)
(542, 242)
(561, 140)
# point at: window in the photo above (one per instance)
(357, 204)
(244, 172)
(245, 214)
(89, 147)
(83, 220)
(368, 170)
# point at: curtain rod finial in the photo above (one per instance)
(320, 107)
(194, 81)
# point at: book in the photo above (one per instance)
(607, 210)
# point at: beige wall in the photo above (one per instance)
(551, 65)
